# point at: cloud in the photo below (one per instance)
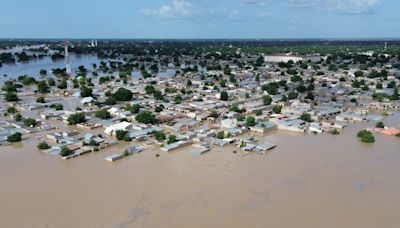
(192, 10)
(343, 6)
(177, 9)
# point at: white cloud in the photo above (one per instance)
(177, 9)
(199, 10)
(344, 6)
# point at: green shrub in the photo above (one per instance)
(65, 151)
(76, 118)
(380, 125)
(17, 137)
(366, 136)
(30, 122)
(120, 134)
(43, 146)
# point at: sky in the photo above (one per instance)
(198, 19)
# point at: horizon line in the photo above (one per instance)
(253, 39)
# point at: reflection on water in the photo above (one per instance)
(307, 181)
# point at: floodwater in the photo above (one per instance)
(32, 68)
(307, 181)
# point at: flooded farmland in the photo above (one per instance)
(307, 181)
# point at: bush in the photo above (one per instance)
(159, 135)
(17, 137)
(334, 132)
(306, 117)
(42, 87)
(41, 100)
(110, 101)
(224, 96)
(123, 94)
(57, 107)
(127, 138)
(398, 135)
(146, 117)
(65, 152)
(10, 96)
(11, 109)
(277, 109)
(76, 118)
(43, 146)
(103, 114)
(86, 91)
(250, 121)
(366, 136)
(172, 139)
(267, 100)
(159, 108)
(120, 134)
(30, 122)
(380, 125)
(18, 117)
(133, 108)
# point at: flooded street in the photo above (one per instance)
(307, 181)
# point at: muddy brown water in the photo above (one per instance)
(307, 181)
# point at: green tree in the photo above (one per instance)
(159, 135)
(120, 134)
(12, 109)
(76, 118)
(380, 125)
(306, 117)
(10, 97)
(16, 137)
(41, 100)
(123, 94)
(43, 146)
(42, 87)
(110, 101)
(224, 96)
(133, 108)
(65, 151)
(277, 109)
(366, 136)
(57, 107)
(172, 139)
(146, 117)
(18, 117)
(30, 122)
(267, 100)
(86, 91)
(250, 121)
(103, 114)
(395, 95)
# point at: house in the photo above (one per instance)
(265, 146)
(248, 147)
(263, 127)
(114, 157)
(390, 131)
(174, 146)
(315, 127)
(87, 100)
(292, 125)
(229, 123)
(123, 126)
(134, 149)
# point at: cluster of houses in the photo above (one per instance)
(194, 112)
